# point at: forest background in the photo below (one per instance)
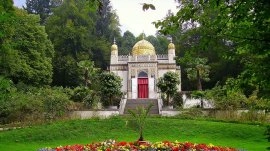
(222, 47)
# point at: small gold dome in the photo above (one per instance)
(171, 46)
(114, 47)
(143, 47)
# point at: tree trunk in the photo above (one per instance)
(199, 83)
(168, 100)
(86, 77)
(141, 135)
(111, 103)
(201, 102)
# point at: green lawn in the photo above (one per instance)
(242, 136)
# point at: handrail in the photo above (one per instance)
(160, 104)
(122, 106)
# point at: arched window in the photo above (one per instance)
(142, 74)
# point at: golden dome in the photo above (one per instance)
(114, 47)
(171, 46)
(143, 47)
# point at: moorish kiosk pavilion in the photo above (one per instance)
(141, 70)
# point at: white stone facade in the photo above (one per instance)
(144, 67)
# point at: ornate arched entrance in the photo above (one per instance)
(143, 91)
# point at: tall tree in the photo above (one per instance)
(127, 43)
(110, 87)
(27, 54)
(107, 24)
(198, 70)
(168, 85)
(71, 30)
(239, 26)
(7, 15)
(163, 44)
(89, 71)
(43, 8)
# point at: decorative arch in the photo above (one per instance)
(142, 74)
(143, 91)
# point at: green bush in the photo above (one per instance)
(267, 133)
(178, 100)
(191, 113)
(55, 102)
(7, 91)
(86, 96)
(25, 107)
(225, 99)
(110, 88)
(31, 104)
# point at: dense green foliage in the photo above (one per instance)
(233, 36)
(242, 136)
(168, 84)
(110, 88)
(237, 31)
(30, 104)
(197, 69)
(127, 43)
(69, 29)
(229, 97)
(43, 8)
(26, 52)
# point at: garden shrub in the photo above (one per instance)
(79, 93)
(86, 96)
(7, 91)
(225, 99)
(25, 107)
(25, 103)
(267, 133)
(178, 100)
(191, 113)
(110, 88)
(55, 102)
(253, 116)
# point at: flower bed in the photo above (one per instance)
(112, 145)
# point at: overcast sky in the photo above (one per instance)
(131, 15)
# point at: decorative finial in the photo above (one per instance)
(171, 39)
(143, 34)
(114, 42)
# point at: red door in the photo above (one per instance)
(142, 87)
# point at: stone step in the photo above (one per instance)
(132, 104)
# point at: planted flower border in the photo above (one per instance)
(112, 145)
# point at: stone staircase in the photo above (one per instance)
(133, 103)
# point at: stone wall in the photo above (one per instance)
(92, 114)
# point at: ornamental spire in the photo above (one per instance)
(114, 42)
(171, 40)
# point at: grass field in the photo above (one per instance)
(241, 136)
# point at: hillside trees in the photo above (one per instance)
(70, 29)
(159, 42)
(107, 24)
(43, 8)
(26, 53)
(242, 25)
(80, 30)
(234, 36)
(106, 29)
(127, 43)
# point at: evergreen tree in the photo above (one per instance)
(168, 85)
(71, 30)
(127, 43)
(43, 8)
